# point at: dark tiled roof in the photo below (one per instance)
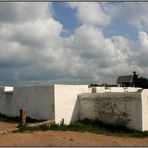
(128, 78)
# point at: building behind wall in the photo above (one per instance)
(125, 81)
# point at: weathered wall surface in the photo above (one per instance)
(133, 89)
(38, 101)
(66, 102)
(115, 108)
(116, 89)
(74, 102)
(144, 97)
(100, 89)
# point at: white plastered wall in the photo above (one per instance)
(66, 101)
(117, 89)
(38, 101)
(100, 89)
(144, 97)
(133, 89)
(114, 108)
(61, 102)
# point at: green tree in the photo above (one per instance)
(140, 81)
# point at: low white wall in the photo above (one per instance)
(133, 89)
(114, 108)
(117, 89)
(100, 89)
(66, 102)
(38, 101)
(144, 96)
(74, 102)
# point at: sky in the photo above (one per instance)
(72, 42)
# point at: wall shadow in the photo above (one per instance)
(76, 111)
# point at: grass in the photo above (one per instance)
(31, 129)
(9, 119)
(17, 119)
(89, 126)
(80, 126)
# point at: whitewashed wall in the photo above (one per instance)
(100, 89)
(66, 102)
(38, 101)
(116, 89)
(74, 102)
(133, 89)
(114, 108)
(144, 97)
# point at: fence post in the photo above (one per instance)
(94, 90)
(22, 117)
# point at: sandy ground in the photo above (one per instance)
(67, 138)
(6, 125)
(61, 138)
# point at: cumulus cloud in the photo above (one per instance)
(140, 50)
(17, 12)
(27, 35)
(90, 43)
(34, 34)
(90, 13)
(32, 48)
(134, 13)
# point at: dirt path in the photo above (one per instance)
(6, 125)
(59, 138)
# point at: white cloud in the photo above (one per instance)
(32, 48)
(90, 13)
(90, 43)
(28, 36)
(134, 13)
(17, 12)
(99, 59)
(35, 34)
(140, 50)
